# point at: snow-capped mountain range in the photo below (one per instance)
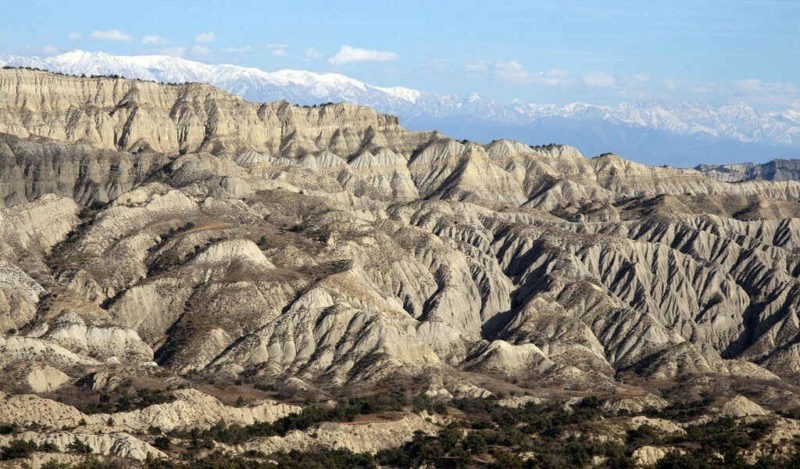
(681, 134)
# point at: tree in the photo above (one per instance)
(78, 446)
(18, 449)
(475, 443)
(163, 443)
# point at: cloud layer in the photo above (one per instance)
(569, 84)
(514, 72)
(110, 35)
(349, 54)
(154, 40)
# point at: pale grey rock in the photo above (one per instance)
(193, 409)
(120, 444)
(359, 437)
(44, 378)
(99, 341)
(740, 406)
(319, 248)
(647, 456)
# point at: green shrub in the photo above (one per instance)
(475, 443)
(163, 443)
(78, 446)
(7, 429)
(18, 449)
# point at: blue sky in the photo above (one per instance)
(548, 51)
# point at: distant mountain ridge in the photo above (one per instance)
(775, 170)
(680, 135)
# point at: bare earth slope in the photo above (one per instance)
(185, 235)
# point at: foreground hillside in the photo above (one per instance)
(183, 272)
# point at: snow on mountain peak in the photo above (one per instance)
(401, 92)
(738, 122)
(253, 83)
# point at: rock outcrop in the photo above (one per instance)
(775, 170)
(413, 251)
(139, 116)
(359, 437)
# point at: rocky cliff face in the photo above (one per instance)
(138, 115)
(180, 230)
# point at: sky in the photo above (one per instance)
(715, 52)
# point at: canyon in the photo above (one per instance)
(182, 240)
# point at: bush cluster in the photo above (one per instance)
(124, 402)
(487, 434)
(17, 449)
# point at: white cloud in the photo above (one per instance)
(173, 51)
(237, 49)
(752, 85)
(312, 54)
(514, 72)
(766, 93)
(200, 50)
(154, 40)
(50, 50)
(476, 66)
(205, 37)
(111, 35)
(641, 77)
(75, 35)
(348, 54)
(598, 80)
(277, 50)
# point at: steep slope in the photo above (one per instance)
(310, 251)
(140, 116)
(444, 276)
